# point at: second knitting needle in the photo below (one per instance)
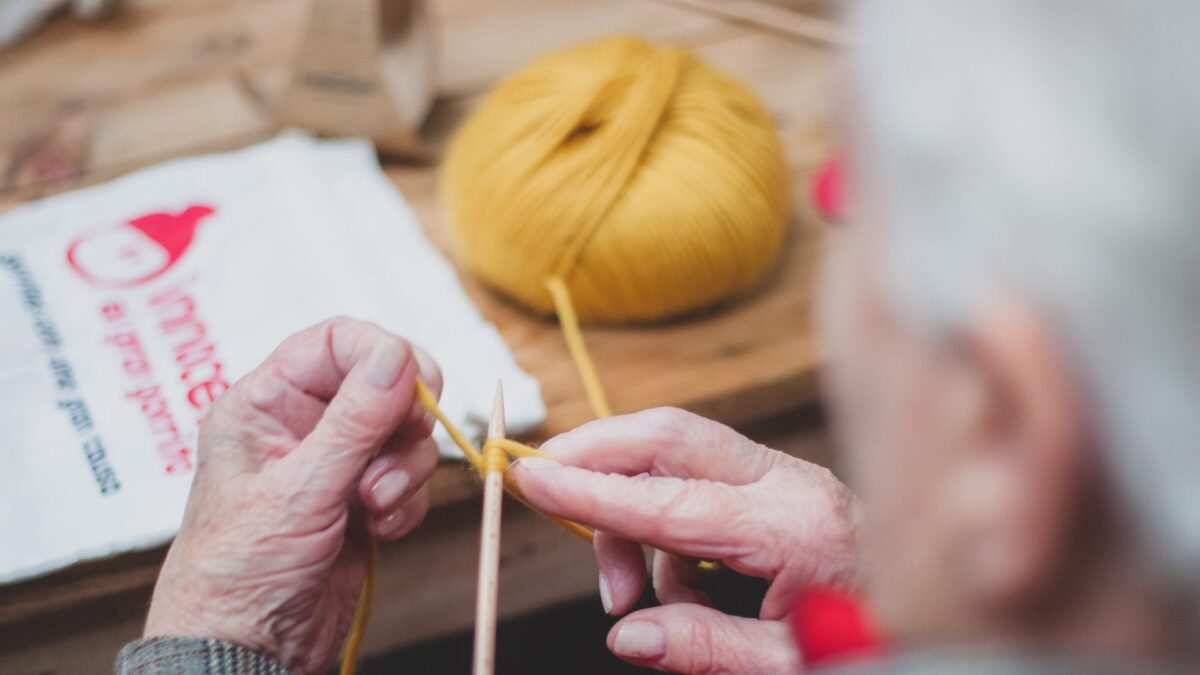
(495, 463)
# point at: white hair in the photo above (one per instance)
(1052, 147)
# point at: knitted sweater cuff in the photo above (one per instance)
(192, 656)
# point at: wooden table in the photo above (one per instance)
(81, 104)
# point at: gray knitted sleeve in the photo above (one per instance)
(192, 656)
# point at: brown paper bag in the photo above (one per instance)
(364, 68)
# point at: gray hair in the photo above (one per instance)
(1052, 147)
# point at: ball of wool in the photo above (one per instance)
(650, 182)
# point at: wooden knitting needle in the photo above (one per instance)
(489, 547)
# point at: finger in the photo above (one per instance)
(317, 359)
(664, 442)
(275, 400)
(694, 517)
(262, 415)
(401, 468)
(296, 383)
(675, 578)
(694, 639)
(419, 423)
(622, 572)
(404, 518)
(369, 375)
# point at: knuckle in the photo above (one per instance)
(821, 547)
(335, 324)
(841, 537)
(702, 652)
(243, 394)
(260, 392)
(667, 422)
(679, 506)
(836, 503)
(228, 422)
(763, 458)
(346, 331)
(355, 425)
(689, 511)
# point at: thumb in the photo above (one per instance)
(373, 387)
(697, 640)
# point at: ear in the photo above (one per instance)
(1022, 476)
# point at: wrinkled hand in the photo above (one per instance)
(685, 484)
(272, 552)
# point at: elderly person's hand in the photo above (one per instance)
(695, 488)
(293, 460)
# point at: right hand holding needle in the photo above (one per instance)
(683, 483)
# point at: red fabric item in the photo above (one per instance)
(831, 625)
(173, 232)
(829, 189)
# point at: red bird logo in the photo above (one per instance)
(134, 252)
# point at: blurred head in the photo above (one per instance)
(1013, 317)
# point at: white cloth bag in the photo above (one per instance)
(127, 307)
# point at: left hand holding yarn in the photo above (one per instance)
(688, 485)
(322, 438)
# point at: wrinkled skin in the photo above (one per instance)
(695, 488)
(271, 553)
(688, 485)
(269, 556)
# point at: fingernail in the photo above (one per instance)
(385, 364)
(398, 517)
(392, 521)
(425, 363)
(534, 463)
(605, 594)
(641, 640)
(389, 487)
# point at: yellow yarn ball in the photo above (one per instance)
(653, 184)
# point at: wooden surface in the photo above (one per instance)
(80, 104)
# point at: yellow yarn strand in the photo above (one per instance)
(519, 449)
(362, 613)
(496, 452)
(569, 324)
(494, 457)
(505, 446)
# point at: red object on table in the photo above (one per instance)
(829, 189)
(831, 625)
